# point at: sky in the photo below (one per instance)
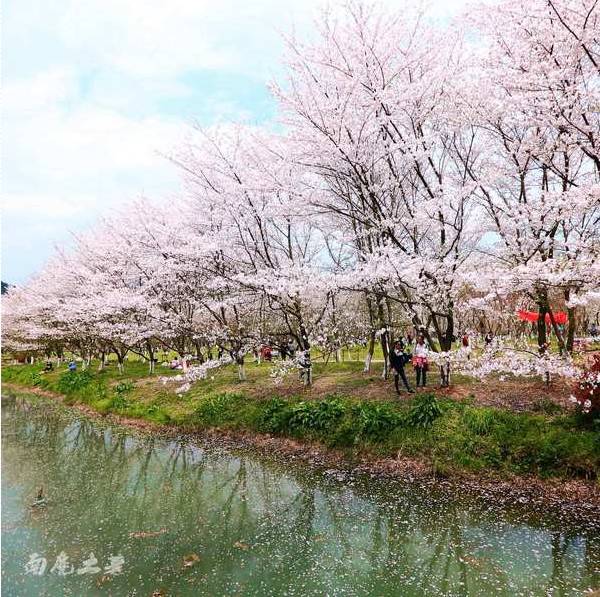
(97, 92)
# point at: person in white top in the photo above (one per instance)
(420, 360)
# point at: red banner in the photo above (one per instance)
(560, 317)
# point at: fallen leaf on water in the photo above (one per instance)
(472, 561)
(104, 578)
(143, 534)
(190, 560)
(241, 545)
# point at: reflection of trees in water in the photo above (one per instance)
(563, 545)
(560, 543)
(248, 518)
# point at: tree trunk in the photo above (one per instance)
(305, 371)
(150, 350)
(559, 338)
(370, 351)
(198, 347)
(308, 377)
(445, 374)
(306, 368)
(572, 322)
(542, 338)
(446, 346)
(384, 339)
(385, 349)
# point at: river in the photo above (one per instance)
(123, 513)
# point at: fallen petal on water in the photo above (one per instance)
(190, 560)
(144, 534)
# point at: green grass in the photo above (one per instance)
(450, 435)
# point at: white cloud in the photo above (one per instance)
(84, 83)
(44, 89)
(66, 162)
(62, 149)
(43, 206)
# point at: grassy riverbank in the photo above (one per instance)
(347, 410)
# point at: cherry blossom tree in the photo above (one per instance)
(371, 112)
(424, 175)
(533, 100)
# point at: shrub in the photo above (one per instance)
(73, 381)
(479, 421)
(375, 421)
(36, 379)
(315, 416)
(119, 402)
(424, 411)
(275, 416)
(217, 409)
(104, 405)
(123, 387)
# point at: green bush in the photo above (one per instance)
(424, 411)
(336, 421)
(103, 406)
(38, 380)
(123, 387)
(73, 381)
(365, 421)
(479, 421)
(160, 416)
(218, 409)
(120, 401)
(375, 421)
(274, 416)
(315, 416)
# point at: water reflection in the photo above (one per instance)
(257, 527)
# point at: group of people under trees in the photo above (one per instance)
(399, 357)
(405, 351)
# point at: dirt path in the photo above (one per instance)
(518, 395)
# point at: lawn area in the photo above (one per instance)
(509, 427)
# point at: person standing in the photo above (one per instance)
(291, 348)
(397, 360)
(489, 337)
(420, 360)
(466, 345)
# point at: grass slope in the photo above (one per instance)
(450, 434)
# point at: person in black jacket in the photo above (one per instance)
(397, 360)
